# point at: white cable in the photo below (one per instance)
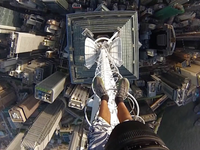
(132, 103)
(86, 116)
(85, 108)
(138, 117)
(102, 38)
(137, 105)
(93, 85)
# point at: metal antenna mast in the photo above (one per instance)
(107, 53)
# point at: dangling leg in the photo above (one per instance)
(100, 130)
(101, 92)
(122, 90)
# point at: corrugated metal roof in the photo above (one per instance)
(9, 17)
(43, 125)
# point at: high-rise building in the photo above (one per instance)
(7, 95)
(102, 24)
(16, 142)
(25, 42)
(43, 128)
(9, 17)
(22, 111)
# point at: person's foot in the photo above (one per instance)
(99, 88)
(122, 88)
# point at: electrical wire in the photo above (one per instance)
(93, 84)
(138, 117)
(137, 105)
(132, 103)
(85, 108)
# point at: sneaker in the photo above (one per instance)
(122, 88)
(99, 87)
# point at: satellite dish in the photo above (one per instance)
(114, 49)
(91, 54)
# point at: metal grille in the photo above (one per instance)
(44, 125)
(9, 17)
